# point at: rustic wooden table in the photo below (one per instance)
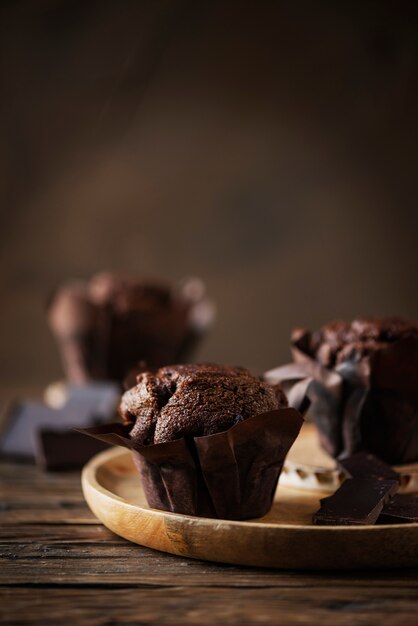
(59, 565)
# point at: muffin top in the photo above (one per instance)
(124, 293)
(79, 304)
(340, 341)
(194, 400)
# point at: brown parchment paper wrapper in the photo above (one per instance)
(371, 405)
(229, 475)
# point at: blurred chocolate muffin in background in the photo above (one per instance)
(105, 326)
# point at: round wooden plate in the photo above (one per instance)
(285, 538)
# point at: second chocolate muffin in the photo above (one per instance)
(362, 384)
(194, 400)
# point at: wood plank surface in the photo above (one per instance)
(206, 606)
(119, 564)
(58, 565)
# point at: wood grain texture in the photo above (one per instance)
(206, 606)
(78, 572)
(31, 496)
(89, 549)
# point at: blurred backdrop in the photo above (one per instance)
(269, 147)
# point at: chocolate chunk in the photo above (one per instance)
(26, 419)
(28, 426)
(366, 465)
(401, 509)
(357, 502)
(66, 449)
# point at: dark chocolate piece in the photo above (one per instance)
(366, 465)
(401, 509)
(66, 449)
(28, 425)
(25, 420)
(357, 502)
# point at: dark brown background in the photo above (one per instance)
(269, 147)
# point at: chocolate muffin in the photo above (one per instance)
(194, 400)
(105, 326)
(207, 440)
(363, 388)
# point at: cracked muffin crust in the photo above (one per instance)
(195, 400)
(340, 341)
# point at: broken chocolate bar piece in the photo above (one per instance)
(357, 502)
(65, 449)
(366, 465)
(35, 431)
(401, 509)
(26, 419)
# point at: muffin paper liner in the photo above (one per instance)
(229, 475)
(370, 405)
